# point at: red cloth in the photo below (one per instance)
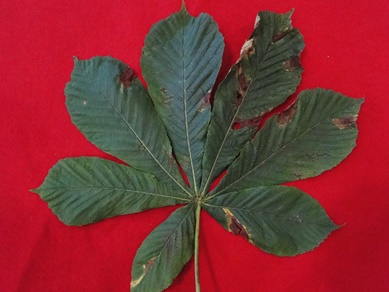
(346, 50)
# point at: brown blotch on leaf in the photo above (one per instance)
(170, 157)
(234, 225)
(248, 48)
(292, 64)
(345, 123)
(251, 51)
(250, 123)
(280, 35)
(148, 266)
(286, 116)
(243, 82)
(127, 77)
(205, 101)
(239, 98)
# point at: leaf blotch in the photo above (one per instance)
(242, 85)
(239, 98)
(250, 123)
(127, 77)
(243, 82)
(247, 49)
(170, 157)
(147, 267)
(205, 101)
(345, 123)
(235, 226)
(280, 35)
(293, 64)
(285, 118)
(136, 282)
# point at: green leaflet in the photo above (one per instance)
(312, 136)
(267, 72)
(180, 61)
(167, 248)
(280, 220)
(110, 106)
(86, 190)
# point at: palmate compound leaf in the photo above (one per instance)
(180, 61)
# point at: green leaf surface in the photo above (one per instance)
(280, 220)
(86, 190)
(313, 135)
(267, 72)
(180, 61)
(110, 106)
(164, 252)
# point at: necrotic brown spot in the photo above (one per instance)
(345, 123)
(286, 116)
(248, 48)
(170, 157)
(250, 123)
(292, 64)
(148, 266)
(243, 83)
(280, 35)
(239, 98)
(205, 101)
(235, 226)
(127, 77)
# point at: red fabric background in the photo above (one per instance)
(346, 50)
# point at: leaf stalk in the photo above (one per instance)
(196, 247)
